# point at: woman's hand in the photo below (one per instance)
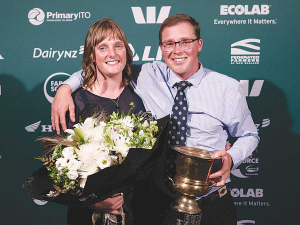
(109, 205)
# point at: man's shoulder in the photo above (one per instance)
(216, 77)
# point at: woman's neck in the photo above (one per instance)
(110, 87)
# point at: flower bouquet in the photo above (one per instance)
(99, 157)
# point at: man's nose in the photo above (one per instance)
(177, 48)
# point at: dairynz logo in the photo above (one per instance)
(151, 15)
(248, 168)
(57, 54)
(243, 52)
(245, 222)
(255, 90)
(37, 16)
(265, 123)
(147, 54)
(33, 127)
(244, 10)
(51, 84)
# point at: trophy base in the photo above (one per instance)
(178, 218)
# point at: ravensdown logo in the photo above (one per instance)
(151, 15)
(243, 52)
(245, 222)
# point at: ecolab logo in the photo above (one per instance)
(146, 54)
(249, 56)
(36, 16)
(57, 54)
(244, 10)
(52, 83)
(240, 192)
(33, 127)
(151, 15)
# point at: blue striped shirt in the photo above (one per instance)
(217, 107)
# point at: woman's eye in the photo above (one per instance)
(102, 48)
(120, 46)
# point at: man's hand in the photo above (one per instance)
(109, 205)
(61, 104)
(224, 172)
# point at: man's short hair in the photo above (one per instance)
(176, 19)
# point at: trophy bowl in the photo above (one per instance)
(193, 167)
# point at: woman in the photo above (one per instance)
(106, 63)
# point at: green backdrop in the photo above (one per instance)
(255, 42)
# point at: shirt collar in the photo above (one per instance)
(195, 79)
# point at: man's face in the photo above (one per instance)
(183, 63)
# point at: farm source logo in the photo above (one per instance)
(37, 16)
(245, 222)
(151, 15)
(51, 84)
(57, 54)
(33, 127)
(243, 52)
(244, 10)
(248, 168)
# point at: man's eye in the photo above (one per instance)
(169, 44)
(186, 42)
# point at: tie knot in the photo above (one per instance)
(182, 85)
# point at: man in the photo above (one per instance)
(216, 109)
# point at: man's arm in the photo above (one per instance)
(63, 102)
(109, 205)
(242, 127)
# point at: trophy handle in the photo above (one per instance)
(174, 184)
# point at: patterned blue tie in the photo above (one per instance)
(178, 127)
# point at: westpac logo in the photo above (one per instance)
(33, 127)
(150, 15)
(245, 222)
(57, 54)
(52, 83)
(37, 16)
(148, 55)
(245, 52)
(255, 90)
(244, 10)
(240, 192)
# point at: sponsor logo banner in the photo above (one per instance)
(248, 12)
(1, 57)
(255, 195)
(52, 83)
(245, 51)
(57, 54)
(150, 18)
(248, 168)
(44, 128)
(37, 16)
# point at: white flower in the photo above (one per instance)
(74, 164)
(104, 162)
(145, 124)
(68, 153)
(61, 163)
(127, 123)
(141, 133)
(121, 145)
(82, 182)
(72, 174)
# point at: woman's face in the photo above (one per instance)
(110, 57)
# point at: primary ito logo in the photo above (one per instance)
(244, 10)
(57, 54)
(148, 55)
(245, 51)
(51, 84)
(33, 127)
(37, 16)
(150, 15)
